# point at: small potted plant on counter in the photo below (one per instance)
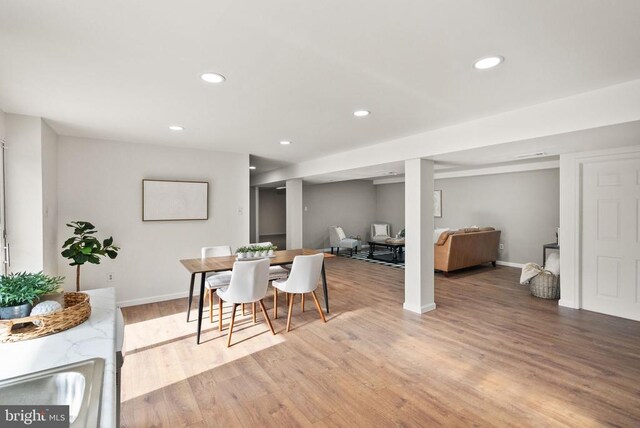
(19, 291)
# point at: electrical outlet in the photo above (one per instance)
(110, 277)
(501, 247)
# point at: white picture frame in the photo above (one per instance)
(437, 203)
(174, 200)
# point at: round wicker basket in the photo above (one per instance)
(76, 311)
(545, 285)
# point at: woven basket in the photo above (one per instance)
(545, 285)
(76, 311)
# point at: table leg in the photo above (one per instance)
(371, 249)
(394, 258)
(193, 277)
(324, 288)
(200, 303)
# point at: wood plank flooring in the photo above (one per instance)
(489, 355)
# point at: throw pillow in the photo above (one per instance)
(380, 229)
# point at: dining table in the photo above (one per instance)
(205, 265)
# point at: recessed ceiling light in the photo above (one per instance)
(176, 128)
(213, 78)
(252, 167)
(285, 143)
(281, 188)
(488, 62)
(361, 113)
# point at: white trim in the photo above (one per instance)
(510, 264)
(419, 310)
(154, 299)
(504, 169)
(390, 180)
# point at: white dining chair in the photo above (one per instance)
(303, 278)
(248, 284)
(215, 280)
(275, 272)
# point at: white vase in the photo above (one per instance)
(270, 253)
(242, 255)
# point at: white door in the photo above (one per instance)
(611, 237)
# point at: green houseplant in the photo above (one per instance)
(18, 292)
(83, 247)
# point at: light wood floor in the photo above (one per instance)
(489, 355)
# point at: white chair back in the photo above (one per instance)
(261, 244)
(380, 229)
(305, 273)
(249, 281)
(336, 234)
(219, 251)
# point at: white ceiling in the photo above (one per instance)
(126, 70)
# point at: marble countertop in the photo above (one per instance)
(93, 338)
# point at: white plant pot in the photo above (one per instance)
(241, 255)
(250, 254)
(270, 253)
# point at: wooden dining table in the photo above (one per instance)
(203, 266)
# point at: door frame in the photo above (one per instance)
(571, 175)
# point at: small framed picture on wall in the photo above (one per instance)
(437, 203)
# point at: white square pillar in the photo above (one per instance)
(294, 214)
(418, 275)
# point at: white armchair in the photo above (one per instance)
(338, 239)
(380, 231)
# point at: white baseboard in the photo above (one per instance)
(568, 304)
(161, 298)
(510, 264)
(420, 309)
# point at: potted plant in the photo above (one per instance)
(84, 247)
(18, 292)
(241, 252)
(272, 249)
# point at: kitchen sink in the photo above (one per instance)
(78, 385)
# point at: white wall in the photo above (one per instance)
(101, 182)
(350, 204)
(390, 206)
(51, 244)
(24, 203)
(525, 206)
(273, 212)
(3, 129)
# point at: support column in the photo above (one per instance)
(294, 214)
(418, 275)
